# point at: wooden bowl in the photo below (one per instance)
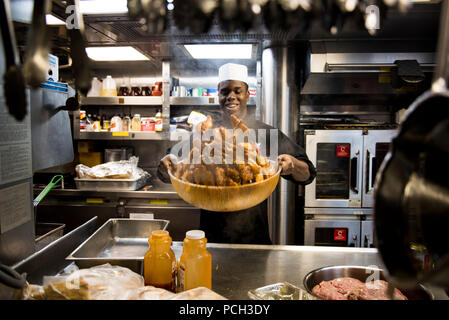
(228, 198)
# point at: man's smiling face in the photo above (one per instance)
(233, 96)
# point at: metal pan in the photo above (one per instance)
(361, 273)
(412, 190)
(122, 242)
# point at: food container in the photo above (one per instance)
(121, 242)
(361, 273)
(280, 291)
(117, 154)
(148, 124)
(228, 198)
(110, 184)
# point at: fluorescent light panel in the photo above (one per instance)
(115, 54)
(51, 20)
(103, 6)
(219, 51)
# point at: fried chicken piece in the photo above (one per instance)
(233, 174)
(259, 177)
(262, 161)
(180, 170)
(188, 176)
(201, 175)
(220, 176)
(232, 183)
(207, 124)
(255, 168)
(238, 123)
(246, 174)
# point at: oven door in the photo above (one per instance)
(332, 231)
(376, 145)
(337, 156)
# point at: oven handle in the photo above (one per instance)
(369, 170)
(354, 172)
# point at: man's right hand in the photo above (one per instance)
(168, 162)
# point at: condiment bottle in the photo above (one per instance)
(195, 263)
(158, 125)
(160, 262)
(116, 124)
(109, 87)
(136, 123)
(126, 123)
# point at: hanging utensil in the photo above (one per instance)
(35, 67)
(155, 14)
(13, 80)
(54, 181)
(134, 9)
(228, 13)
(80, 61)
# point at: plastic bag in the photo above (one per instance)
(123, 169)
(104, 282)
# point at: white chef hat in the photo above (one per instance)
(232, 71)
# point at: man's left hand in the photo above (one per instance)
(289, 165)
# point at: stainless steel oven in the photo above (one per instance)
(339, 202)
(347, 162)
(341, 227)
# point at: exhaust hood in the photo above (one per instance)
(364, 79)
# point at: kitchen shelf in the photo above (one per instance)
(201, 101)
(121, 101)
(132, 135)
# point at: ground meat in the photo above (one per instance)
(353, 289)
(374, 290)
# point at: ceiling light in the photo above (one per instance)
(219, 51)
(51, 20)
(115, 54)
(103, 6)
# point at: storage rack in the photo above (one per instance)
(165, 102)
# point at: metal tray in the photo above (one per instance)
(46, 233)
(121, 242)
(110, 184)
(280, 291)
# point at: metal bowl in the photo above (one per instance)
(361, 273)
(225, 199)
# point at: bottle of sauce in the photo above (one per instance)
(136, 123)
(126, 123)
(195, 263)
(158, 125)
(160, 262)
(116, 124)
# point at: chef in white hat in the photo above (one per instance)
(248, 226)
(233, 89)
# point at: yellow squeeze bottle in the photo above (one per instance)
(160, 262)
(195, 263)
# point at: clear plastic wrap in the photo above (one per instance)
(107, 282)
(104, 282)
(123, 169)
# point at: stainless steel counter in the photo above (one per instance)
(236, 269)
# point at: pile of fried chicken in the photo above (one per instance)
(239, 171)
